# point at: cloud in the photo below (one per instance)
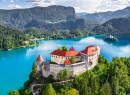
(8, 0)
(89, 6)
(93, 41)
(33, 0)
(14, 6)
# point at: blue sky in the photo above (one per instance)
(89, 6)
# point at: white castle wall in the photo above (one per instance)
(61, 59)
(74, 69)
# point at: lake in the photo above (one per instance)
(17, 64)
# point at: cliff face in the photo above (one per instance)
(18, 18)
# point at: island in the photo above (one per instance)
(111, 38)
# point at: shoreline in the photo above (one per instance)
(20, 47)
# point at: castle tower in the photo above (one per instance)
(39, 61)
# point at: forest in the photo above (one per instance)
(56, 34)
(105, 79)
(11, 38)
(116, 26)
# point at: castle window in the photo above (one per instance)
(91, 63)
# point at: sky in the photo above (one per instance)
(89, 6)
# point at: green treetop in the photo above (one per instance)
(49, 90)
(64, 74)
(59, 48)
(72, 92)
(106, 89)
(72, 60)
(64, 48)
(34, 70)
(37, 42)
(14, 92)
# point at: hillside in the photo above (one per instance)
(11, 38)
(117, 26)
(63, 25)
(18, 18)
(105, 16)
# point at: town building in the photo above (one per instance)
(85, 60)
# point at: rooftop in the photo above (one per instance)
(71, 52)
(67, 62)
(90, 50)
(39, 58)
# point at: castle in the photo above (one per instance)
(85, 60)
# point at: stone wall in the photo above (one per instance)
(75, 69)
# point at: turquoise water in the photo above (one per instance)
(16, 65)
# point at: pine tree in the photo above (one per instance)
(34, 70)
(106, 89)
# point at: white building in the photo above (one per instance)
(88, 59)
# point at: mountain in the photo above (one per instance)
(18, 18)
(80, 23)
(105, 16)
(82, 14)
(116, 26)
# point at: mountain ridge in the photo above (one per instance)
(44, 17)
(116, 26)
(105, 16)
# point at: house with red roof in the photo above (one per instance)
(87, 59)
(60, 57)
(89, 54)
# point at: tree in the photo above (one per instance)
(64, 48)
(77, 81)
(72, 92)
(106, 89)
(59, 48)
(34, 70)
(115, 85)
(63, 75)
(49, 90)
(72, 60)
(27, 92)
(37, 42)
(84, 85)
(14, 92)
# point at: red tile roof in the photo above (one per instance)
(91, 50)
(67, 62)
(71, 49)
(65, 53)
(39, 58)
